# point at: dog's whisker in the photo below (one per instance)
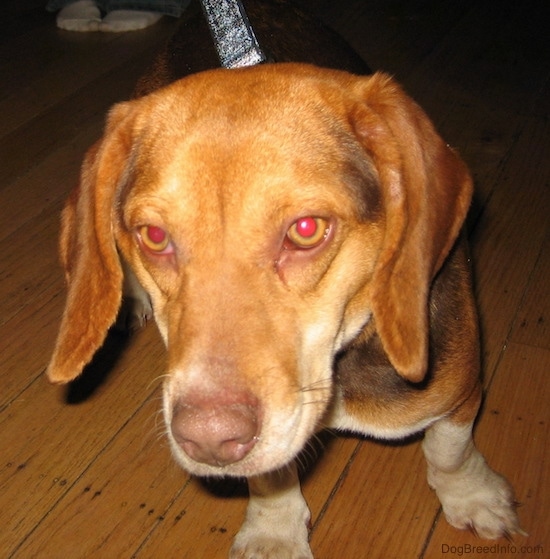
(159, 379)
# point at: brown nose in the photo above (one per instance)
(216, 434)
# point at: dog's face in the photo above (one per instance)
(271, 214)
(269, 235)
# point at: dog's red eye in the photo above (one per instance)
(308, 232)
(155, 239)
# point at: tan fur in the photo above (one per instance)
(373, 330)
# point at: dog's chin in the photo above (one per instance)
(256, 463)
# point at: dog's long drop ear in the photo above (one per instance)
(89, 255)
(426, 190)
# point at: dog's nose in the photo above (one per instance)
(215, 434)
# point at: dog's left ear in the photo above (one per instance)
(426, 191)
(89, 254)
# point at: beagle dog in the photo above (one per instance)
(296, 231)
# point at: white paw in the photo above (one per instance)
(268, 547)
(477, 498)
(276, 527)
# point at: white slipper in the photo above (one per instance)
(82, 15)
(119, 21)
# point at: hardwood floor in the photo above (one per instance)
(85, 471)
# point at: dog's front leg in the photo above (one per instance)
(277, 519)
(473, 496)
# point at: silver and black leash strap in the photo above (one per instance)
(233, 35)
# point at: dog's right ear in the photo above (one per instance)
(426, 189)
(88, 251)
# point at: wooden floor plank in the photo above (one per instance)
(532, 325)
(199, 524)
(23, 18)
(20, 366)
(127, 491)
(212, 520)
(31, 265)
(55, 65)
(476, 83)
(47, 447)
(50, 129)
(384, 488)
(47, 184)
(392, 37)
(493, 54)
(505, 250)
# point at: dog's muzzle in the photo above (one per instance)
(216, 432)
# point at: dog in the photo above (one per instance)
(296, 232)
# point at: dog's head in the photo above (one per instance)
(271, 214)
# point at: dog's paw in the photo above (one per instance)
(478, 499)
(488, 511)
(268, 547)
(273, 533)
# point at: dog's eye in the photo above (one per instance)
(155, 239)
(307, 232)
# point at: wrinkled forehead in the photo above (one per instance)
(255, 92)
(240, 136)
